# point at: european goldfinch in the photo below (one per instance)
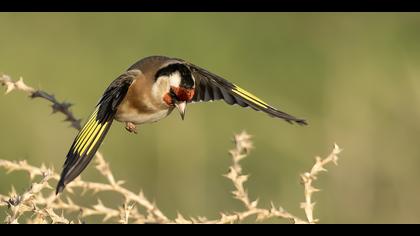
(148, 92)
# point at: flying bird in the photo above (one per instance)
(147, 92)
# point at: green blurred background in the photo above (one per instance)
(353, 76)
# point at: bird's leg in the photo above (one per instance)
(131, 127)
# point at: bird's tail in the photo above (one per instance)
(84, 147)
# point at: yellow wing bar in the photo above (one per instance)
(91, 131)
(249, 96)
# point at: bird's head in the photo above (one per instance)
(179, 97)
(180, 86)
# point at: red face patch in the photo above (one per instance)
(183, 94)
(168, 99)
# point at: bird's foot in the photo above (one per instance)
(130, 127)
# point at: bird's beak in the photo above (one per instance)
(182, 106)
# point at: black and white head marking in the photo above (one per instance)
(179, 75)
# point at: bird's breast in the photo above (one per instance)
(140, 105)
(141, 118)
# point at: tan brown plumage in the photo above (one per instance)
(149, 91)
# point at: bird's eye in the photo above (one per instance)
(172, 94)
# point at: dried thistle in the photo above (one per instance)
(62, 107)
(46, 207)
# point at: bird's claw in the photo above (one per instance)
(130, 127)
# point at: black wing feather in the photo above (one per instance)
(90, 137)
(217, 93)
(213, 87)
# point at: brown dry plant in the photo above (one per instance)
(39, 203)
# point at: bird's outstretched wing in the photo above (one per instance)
(209, 86)
(95, 129)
